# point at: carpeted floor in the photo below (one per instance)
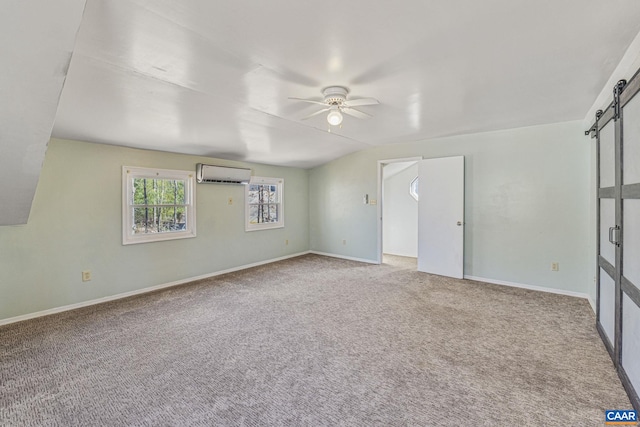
(313, 341)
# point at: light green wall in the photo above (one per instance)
(526, 203)
(75, 225)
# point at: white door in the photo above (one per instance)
(441, 216)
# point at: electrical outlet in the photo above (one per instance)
(86, 275)
(555, 266)
(286, 242)
(344, 242)
(230, 201)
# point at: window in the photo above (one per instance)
(264, 203)
(413, 188)
(158, 204)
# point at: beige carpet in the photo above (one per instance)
(313, 341)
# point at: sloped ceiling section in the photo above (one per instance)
(36, 42)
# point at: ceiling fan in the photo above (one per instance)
(336, 102)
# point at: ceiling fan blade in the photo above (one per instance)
(316, 113)
(355, 113)
(360, 102)
(311, 101)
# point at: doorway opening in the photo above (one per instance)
(397, 211)
(429, 224)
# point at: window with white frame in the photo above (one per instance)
(157, 204)
(264, 207)
(413, 188)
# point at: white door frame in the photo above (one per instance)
(381, 164)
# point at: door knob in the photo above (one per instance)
(459, 223)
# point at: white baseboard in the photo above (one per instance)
(350, 258)
(532, 287)
(256, 264)
(141, 291)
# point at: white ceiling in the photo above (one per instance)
(392, 169)
(213, 77)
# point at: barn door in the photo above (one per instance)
(629, 251)
(617, 130)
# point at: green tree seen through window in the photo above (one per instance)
(159, 205)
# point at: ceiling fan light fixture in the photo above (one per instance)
(335, 102)
(334, 118)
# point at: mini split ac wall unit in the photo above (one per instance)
(209, 174)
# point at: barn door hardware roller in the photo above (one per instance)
(617, 90)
